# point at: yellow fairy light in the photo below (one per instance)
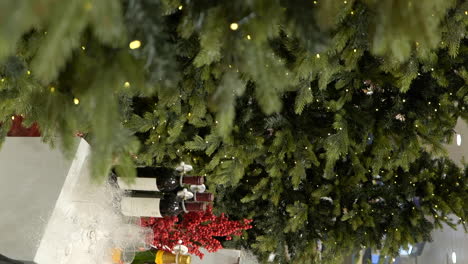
(354, 50)
(318, 56)
(3, 80)
(234, 26)
(88, 6)
(248, 37)
(181, 7)
(345, 2)
(12, 117)
(76, 101)
(466, 13)
(134, 44)
(29, 72)
(315, 2)
(52, 89)
(352, 12)
(126, 84)
(189, 114)
(83, 47)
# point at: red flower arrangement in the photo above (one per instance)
(197, 229)
(18, 130)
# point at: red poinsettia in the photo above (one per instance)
(197, 229)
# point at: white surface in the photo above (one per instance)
(84, 225)
(31, 176)
(223, 256)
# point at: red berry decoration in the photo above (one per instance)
(197, 229)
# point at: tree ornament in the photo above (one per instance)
(400, 117)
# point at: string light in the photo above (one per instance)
(3, 80)
(248, 37)
(318, 56)
(126, 84)
(352, 12)
(76, 101)
(83, 47)
(134, 44)
(29, 72)
(354, 50)
(12, 117)
(315, 2)
(181, 7)
(52, 89)
(88, 6)
(234, 26)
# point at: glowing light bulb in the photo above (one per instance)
(76, 101)
(134, 44)
(181, 7)
(126, 84)
(234, 26)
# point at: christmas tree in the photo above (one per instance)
(323, 121)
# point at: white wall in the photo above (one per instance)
(223, 256)
(31, 177)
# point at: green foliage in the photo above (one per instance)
(324, 121)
